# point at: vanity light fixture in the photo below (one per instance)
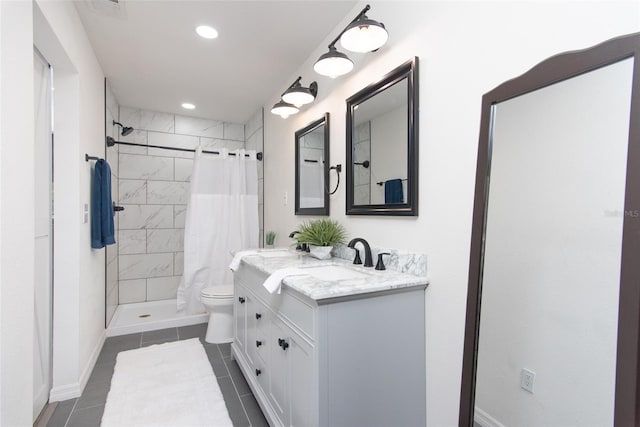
(206, 32)
(333, 63)
(299, 95)
(364, 34)
(361, 35)
(284, 109)
(295, 97)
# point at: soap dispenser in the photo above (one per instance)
(380, 264)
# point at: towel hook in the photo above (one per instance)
(338, 169)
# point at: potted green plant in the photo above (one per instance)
(321, 235)
(270, 238)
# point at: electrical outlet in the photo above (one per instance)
(527, 379)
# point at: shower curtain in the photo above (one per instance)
(222, 218)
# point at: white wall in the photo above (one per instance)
(465, 49)
(254, 140)
(79, 128)
(16, 213)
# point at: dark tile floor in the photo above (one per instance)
(86, 411)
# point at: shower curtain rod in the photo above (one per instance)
(111, 142)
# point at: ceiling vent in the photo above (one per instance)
(113, 8)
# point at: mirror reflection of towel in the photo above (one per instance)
(393, 191)
(311, 185)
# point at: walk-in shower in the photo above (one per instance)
(151, 157)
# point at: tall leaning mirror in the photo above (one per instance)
(382, 145)
(312, 168)
(554, 280)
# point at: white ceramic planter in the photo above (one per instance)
(320, 252)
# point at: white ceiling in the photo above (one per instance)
(154, 60)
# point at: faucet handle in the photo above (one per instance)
(380, 264)
(357, 259)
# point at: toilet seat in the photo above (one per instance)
(218, 292)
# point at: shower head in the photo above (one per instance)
(126, 130)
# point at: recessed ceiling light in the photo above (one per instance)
(188, 106)
(206, 32)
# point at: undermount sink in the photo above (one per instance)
(284, 253)
(333, 272)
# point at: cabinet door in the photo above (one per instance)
(240, 318)
(301, 380)
(291, 382)
(279, 369)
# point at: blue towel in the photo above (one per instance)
(102, 229)
(393, 191)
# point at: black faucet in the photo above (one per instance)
(368, 260)
(299, 246)
(292, 235)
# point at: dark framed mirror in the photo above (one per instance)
(312, 168)
(553, 304)
(382, 145)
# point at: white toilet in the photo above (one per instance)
(219, 303)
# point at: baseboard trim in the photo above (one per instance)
(64, 392)
(73, 390)
(86, 373)
(484, 419)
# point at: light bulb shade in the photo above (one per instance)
(364, 35)
(298, 95)
(284, 109)
(333, 64)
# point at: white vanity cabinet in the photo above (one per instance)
(277, 358)
(349, 361)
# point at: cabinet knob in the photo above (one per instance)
(282, 343)
(258, 343)
(241, 299)
(258, 372)
(258, 316)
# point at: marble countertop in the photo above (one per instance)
(317, 289)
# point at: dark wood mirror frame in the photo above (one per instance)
(324, 121)
(408, 70)
(548, 72)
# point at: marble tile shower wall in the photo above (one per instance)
(312, 147)
(111, 114)
(154, 189)
(254, 132)
(362, 175)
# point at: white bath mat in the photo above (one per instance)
(169, 384)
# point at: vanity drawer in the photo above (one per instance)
(286, 304)
(296, 311)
